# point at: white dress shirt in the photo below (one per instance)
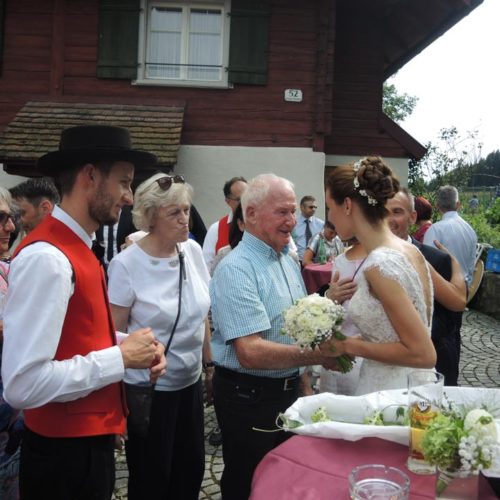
(458, 237)
(40, 287)
(211, 240)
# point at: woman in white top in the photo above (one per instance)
(345, 274)
(162, 282)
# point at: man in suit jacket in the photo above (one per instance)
(445, 323)
(120, 230)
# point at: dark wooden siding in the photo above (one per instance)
(38, 65)
(50, 53)
(358, 80)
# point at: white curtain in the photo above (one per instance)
(165, 42)
(205, 48)
(193, 55)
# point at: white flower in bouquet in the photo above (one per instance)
(313, 319)
(461, 441)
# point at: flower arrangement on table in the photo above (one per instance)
(460, 442)
(312, 320)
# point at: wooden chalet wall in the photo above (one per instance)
(50, 54)
(358, 82)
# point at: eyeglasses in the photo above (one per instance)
(5, 216)
(233, 198)
(166, 182)
(311, 206)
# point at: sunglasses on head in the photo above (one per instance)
(4, 217)
(166, 182)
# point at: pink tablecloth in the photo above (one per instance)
(307, 468)
(316, 275)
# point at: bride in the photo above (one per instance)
(392, 306)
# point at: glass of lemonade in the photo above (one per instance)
(376, 481)
(425, 392)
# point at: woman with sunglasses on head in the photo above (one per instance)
(392, 305)
(162, 281)
(11, 422)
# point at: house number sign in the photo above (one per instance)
(293, 95)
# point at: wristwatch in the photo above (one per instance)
(208, 364)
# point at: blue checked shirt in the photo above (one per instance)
(250, 290)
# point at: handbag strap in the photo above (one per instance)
(182, 276)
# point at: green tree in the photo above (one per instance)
(416, 181)
(395, 105)
(487, 171)
(452, 159)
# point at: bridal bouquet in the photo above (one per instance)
(314, 319)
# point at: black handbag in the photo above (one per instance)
(140, 397)
(139, 401)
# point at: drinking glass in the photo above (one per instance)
(425, 392)
(378, 482)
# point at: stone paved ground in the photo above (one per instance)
(479, 367)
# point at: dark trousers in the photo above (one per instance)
(447, 361)
(80, 468)
(170, 462)
(242, 405)
(446, 338)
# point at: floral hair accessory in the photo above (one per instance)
(371, 200)
(362, 192)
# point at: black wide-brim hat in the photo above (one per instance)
(92, 143)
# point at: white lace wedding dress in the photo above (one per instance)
(371, 319)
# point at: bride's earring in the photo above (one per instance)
(347, 203)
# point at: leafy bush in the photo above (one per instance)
(493, 213)
(486, 232)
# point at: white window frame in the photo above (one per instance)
(224, 5)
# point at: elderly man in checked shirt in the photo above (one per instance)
(257, 369)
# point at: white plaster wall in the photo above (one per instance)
(207, 168)
(7, 180)
(398, 165)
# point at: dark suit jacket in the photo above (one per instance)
(445, 323)
(196, 226)
(125, 227)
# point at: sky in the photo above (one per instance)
(457, 80)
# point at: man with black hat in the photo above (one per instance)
(61, 361)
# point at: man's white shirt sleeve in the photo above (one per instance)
(40, 287)
(209, 243)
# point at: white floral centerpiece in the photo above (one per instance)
(313, 319)
(460, 442)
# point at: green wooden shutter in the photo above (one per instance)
(118, 39)
(2, 18)
(249, 41)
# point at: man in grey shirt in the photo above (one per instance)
(453, 231)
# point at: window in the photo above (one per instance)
(184, 43)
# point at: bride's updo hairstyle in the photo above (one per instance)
(369, 182)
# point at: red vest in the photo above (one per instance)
(88, 326)
(222, 234)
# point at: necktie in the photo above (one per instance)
(110, 251)
(308, 231)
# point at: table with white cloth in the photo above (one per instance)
(315, 464)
